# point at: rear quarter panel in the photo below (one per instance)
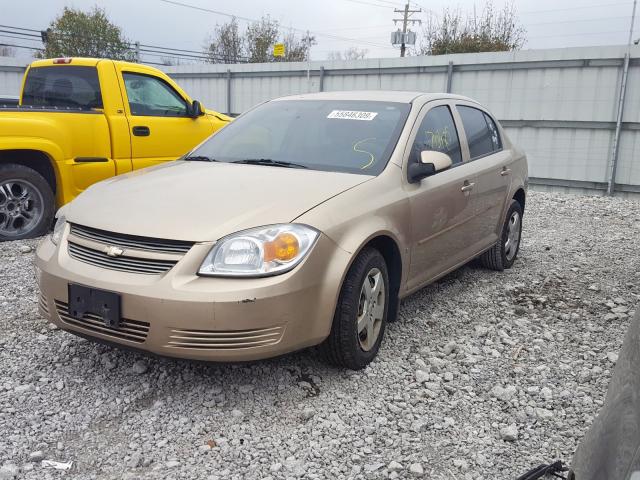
(62, 136)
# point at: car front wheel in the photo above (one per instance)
(361, 314)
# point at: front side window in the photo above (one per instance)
(62, 87)
(482, 133)
(331, 135)
(438, 132)
(151, 96)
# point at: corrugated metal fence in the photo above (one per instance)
(560, 105)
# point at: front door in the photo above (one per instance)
(161, 128)
(442, 205)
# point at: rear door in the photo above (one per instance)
(490, 162)
(161, 128)
(442, 206)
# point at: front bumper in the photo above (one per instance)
(180, 314)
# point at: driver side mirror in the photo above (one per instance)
(196, 109)
(431, 162)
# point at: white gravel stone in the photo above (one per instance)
(534, 327)
(422, 376)
(36, 456)
(140, 367)
(612, 357)
(509, 433)
(9, 471)
(416, 469)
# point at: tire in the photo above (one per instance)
(27, 204)
(504, 253)
(346, 346)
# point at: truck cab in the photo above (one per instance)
(83, 120)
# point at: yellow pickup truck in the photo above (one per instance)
(82, 120)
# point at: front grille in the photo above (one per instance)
(131, 241)
(225, 340)
(123, 263)
(131, 330)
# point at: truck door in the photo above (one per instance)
(159, 121)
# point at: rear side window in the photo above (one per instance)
(151, 96)
(438, 132)
(62, 87)
(481, 131)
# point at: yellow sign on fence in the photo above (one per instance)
(278, 50)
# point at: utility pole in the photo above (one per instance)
(613, 164)
(405, 20)
(309, 40)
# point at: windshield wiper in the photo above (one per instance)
(270, 162)
(200, 158)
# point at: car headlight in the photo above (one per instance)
(56, 235)
(259, 252)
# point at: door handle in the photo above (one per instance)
(141, 131)
(505, 171)
(467, 187)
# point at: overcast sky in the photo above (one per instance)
(365, 24)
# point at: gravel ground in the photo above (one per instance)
(485, 375)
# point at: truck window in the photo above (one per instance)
(151, 96)
(62, 87)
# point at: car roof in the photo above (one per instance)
(376, 96)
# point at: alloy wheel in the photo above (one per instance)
(21, 207)
(513, 236)
(371, 309)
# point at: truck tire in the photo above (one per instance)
(27, 204)
(361, 314)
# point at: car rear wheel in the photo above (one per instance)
(361, 314)
(503, 254)
(26, 203)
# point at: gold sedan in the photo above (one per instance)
(303, 222)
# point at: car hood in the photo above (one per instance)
(203, 201)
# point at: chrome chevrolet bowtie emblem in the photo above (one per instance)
(113, 251)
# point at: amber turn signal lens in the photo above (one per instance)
(284, 247)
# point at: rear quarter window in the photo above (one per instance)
(482, 134)
(62, 87)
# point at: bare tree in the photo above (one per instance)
(228, 45)
(353, 53)
(296, 49)
(6, 51)
(493, 31)
(260, 38)
(225, 44)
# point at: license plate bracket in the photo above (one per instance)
(83, 300)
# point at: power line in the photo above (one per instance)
(576, 21)
(251, 20)
(18, 46)
(583, 7)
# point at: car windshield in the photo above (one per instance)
(330, 135)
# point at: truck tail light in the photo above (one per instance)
(61, 61)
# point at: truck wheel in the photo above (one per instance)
(361, 314)
(27, 204)
(504, 252)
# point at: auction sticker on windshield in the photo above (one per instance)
(352, 115)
